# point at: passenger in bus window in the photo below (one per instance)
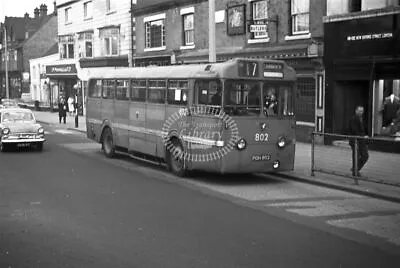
(271, 102)
(216, 98)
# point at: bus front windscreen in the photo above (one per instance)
(243, 97)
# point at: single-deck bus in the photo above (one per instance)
(229, 117)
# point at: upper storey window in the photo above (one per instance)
(300, 13)
(155, 31)
(259, 11)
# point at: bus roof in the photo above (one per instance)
(227, 69)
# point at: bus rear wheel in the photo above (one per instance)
(108, 143)
(175, 159)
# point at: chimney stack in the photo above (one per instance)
(26, 16)
(43, 10)
(55, 8)
(36, 12)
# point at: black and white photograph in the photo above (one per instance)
(199, 133)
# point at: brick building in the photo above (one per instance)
(23, 43)
(176, 32)
(91, 34)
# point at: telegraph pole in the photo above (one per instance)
(211, 32)
(6, 62)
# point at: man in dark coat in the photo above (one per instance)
(357, 128)
(62, 110)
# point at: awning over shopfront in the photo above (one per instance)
(274, 52)
(61, 71)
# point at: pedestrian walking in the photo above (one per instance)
(71, 105)
(62, 110)
(357, 128)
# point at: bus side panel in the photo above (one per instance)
(93, 119)
(107, 114)
(122, 123)
(155, 119)
(137, 127)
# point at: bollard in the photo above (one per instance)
(76, 120)
(355, 164)
(312, 154)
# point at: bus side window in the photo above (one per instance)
(122, 92)
(138, 90)
(156, 93)
(209, 92)
(178, 92)
(95, 89)
(108, 89)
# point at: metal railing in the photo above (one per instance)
(343, 160)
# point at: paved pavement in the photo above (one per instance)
(335, 159)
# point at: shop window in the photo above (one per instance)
(88, 10)
(188, 29)
(85, 43)
(138, 90)
(66, 47)
(259, 13)
(108, 89)
(122, 92)
(300, 16)
(110, 41)
(178, 92)
(156, 92)
(305, 99)
(155, 33)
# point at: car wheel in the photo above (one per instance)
(108, 143)
(175, 158)
(39, 146)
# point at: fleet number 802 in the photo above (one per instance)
(262, 137)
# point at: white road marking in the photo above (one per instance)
(387, 227)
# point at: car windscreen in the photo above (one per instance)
(12, 116)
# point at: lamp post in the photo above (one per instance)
(211, 31)
(48, 87)
(6, 62)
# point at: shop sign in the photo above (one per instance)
(25, 77)
(258, 28)
(369, 36)
(236, 23)
(61, 69)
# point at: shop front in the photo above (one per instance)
(63, 82)
(362, 63)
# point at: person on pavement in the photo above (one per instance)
(357, 128)
(62, 110)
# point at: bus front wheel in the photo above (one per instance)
(175, 159)
(108, 143)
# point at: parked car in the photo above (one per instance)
(7, 103)
(18, 127)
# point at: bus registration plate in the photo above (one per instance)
(263, 157)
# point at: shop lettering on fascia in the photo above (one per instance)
(64, 69)
(369, 36)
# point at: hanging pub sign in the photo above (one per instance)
(236, 20)
(273, 70)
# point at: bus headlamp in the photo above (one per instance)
(40, 130)
(241, 145)
(276, 164)
(5, 131)
(281, 142)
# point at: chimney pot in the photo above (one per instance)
(36, 12)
